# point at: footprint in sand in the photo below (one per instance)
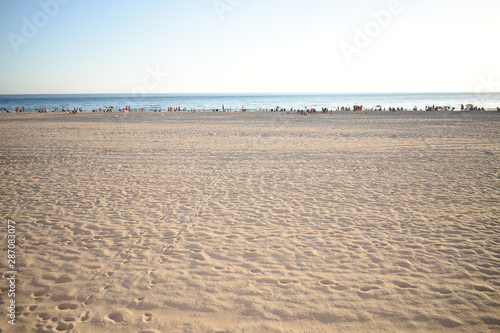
(147, 317)
(32, 308)
(44, 316)
(65, 327)
(85, 316)
(67, 306)
(38, 295)
(402, 284)
(49, 277)
(287, 281)
(116, 317)
(107, 286)
(326, 282)
(198, 256)
(255, 270)
(19, 310)
(369, 292)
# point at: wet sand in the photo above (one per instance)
(253, 222)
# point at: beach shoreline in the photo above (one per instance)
(260, 110)
(249, 102)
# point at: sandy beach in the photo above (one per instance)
(252, 222)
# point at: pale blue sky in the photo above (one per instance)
(195, 46)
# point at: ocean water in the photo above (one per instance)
(251, 102)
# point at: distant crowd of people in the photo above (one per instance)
(470, 107)
(304, 111)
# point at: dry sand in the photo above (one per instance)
(253, 222)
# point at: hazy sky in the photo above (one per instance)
(162, 46)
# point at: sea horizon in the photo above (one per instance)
(249, 101)
(254, 93)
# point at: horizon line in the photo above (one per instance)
(255, 93)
